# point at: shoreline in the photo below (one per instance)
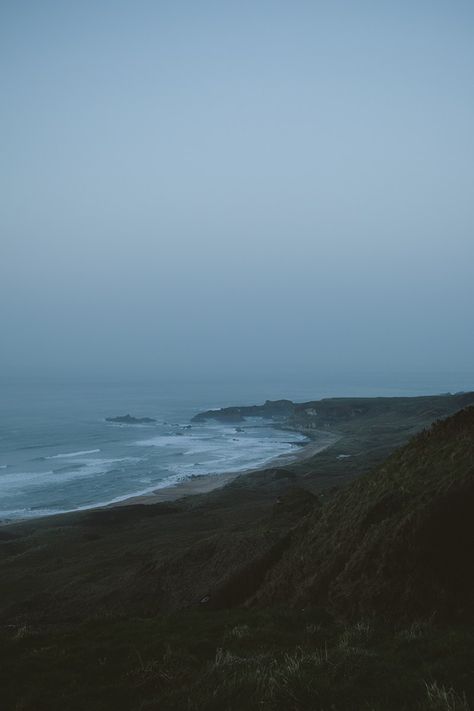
(205, 483)
(196, 484)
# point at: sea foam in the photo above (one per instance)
(73, 454)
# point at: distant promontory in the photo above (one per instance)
(271, 409)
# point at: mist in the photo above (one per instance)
(216, 188)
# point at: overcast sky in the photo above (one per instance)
(192, 187)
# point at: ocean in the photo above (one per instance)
(58, 453)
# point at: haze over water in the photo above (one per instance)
(210, 189)
(205, 204)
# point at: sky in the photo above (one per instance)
(236, 187)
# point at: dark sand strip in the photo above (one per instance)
(203, 484)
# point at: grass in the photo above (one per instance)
(235, 660)
(442, 699)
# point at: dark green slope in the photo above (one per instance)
(397, 541)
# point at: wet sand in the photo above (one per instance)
(204, 483)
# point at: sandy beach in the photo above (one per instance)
(203, 484)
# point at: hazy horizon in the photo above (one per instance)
(237, 190)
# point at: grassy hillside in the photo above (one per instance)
(236, 660)
(398, 540)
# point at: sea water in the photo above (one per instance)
(58, 453)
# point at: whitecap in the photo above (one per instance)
(12, 514)
(73, 454)
(27, 480)
(166, 441)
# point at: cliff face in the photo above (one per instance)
(397, 541)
